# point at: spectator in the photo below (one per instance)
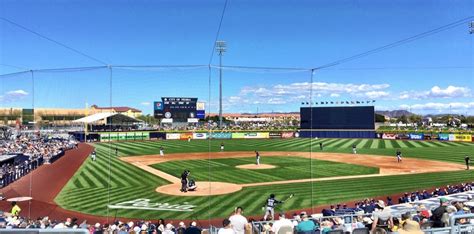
(192, 229)
(238, 221)
(408, 225)
(439, 213)
(305, 225)
(282, 224)
(227, 228)
(382, 217)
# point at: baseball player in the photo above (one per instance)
(270, 206)
(257, 157)
(354, 149)
(467, 160)
(184, 181)
(399, 156)
(222, 146)
(162, 151)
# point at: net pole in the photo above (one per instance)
(311, 139)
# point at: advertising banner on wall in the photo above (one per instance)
(221, 135)
(416, 136)
(287, 134)
(443, 137)
(392, 136)
(173, 136)
(124, 136)
(256, 135)
(275, 134)
(186, 136)
(238, 135)
(200, 135)
(451, 137)
(462, 137)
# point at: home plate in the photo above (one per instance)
(19, 199)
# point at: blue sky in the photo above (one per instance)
(431, 75)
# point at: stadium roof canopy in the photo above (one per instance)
(112, 118)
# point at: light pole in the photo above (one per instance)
(220, 48)
(471, 26)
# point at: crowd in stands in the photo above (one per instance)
(34, 150)
(379, 221)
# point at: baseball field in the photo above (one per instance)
(136, 182)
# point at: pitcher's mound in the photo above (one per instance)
(204, 188)
(255, 166)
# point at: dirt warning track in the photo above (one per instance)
(387, 166)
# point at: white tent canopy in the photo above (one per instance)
(110, 117)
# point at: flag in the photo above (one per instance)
(302, 103)
(357, 102)
(332, 102)
(373, 100)
(316, 103)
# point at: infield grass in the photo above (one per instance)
(287, 168)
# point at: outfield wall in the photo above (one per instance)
(148, 135)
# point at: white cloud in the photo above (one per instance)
(440, 106)
(295, 93)
(14, 95)
(145, 103)
(437, 92)
(376, 94)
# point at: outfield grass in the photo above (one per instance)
(287, 168)
(90, 190)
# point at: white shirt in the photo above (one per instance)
(282, 222)
(226, 231)
(238, 223)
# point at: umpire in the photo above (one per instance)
(468, 161)
(184, 181)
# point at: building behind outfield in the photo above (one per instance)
(337, 122)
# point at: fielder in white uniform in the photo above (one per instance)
(257, 157)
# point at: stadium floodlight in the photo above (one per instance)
(471, 26)
(221, 47)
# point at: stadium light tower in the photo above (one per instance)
(220, 48)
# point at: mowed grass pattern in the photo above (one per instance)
(287, 168)
(91, 189)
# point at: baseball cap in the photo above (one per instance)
(443, 199)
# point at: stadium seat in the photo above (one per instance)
(335, 232)
(360, 231)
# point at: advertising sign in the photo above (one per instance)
(275, 134)
(173, 136)
(256, 135)
(200, 106)
(287, 135)
(443, 137)
(200, 114)
(462, 137)
(451, 137)
(221, 135)
(186, 136)
(200, 135)
(391, 136)
(158, 106)
(238, 135)
(124, 136)
(416, 136)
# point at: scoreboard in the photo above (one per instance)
(348, 118)
(180, 109)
